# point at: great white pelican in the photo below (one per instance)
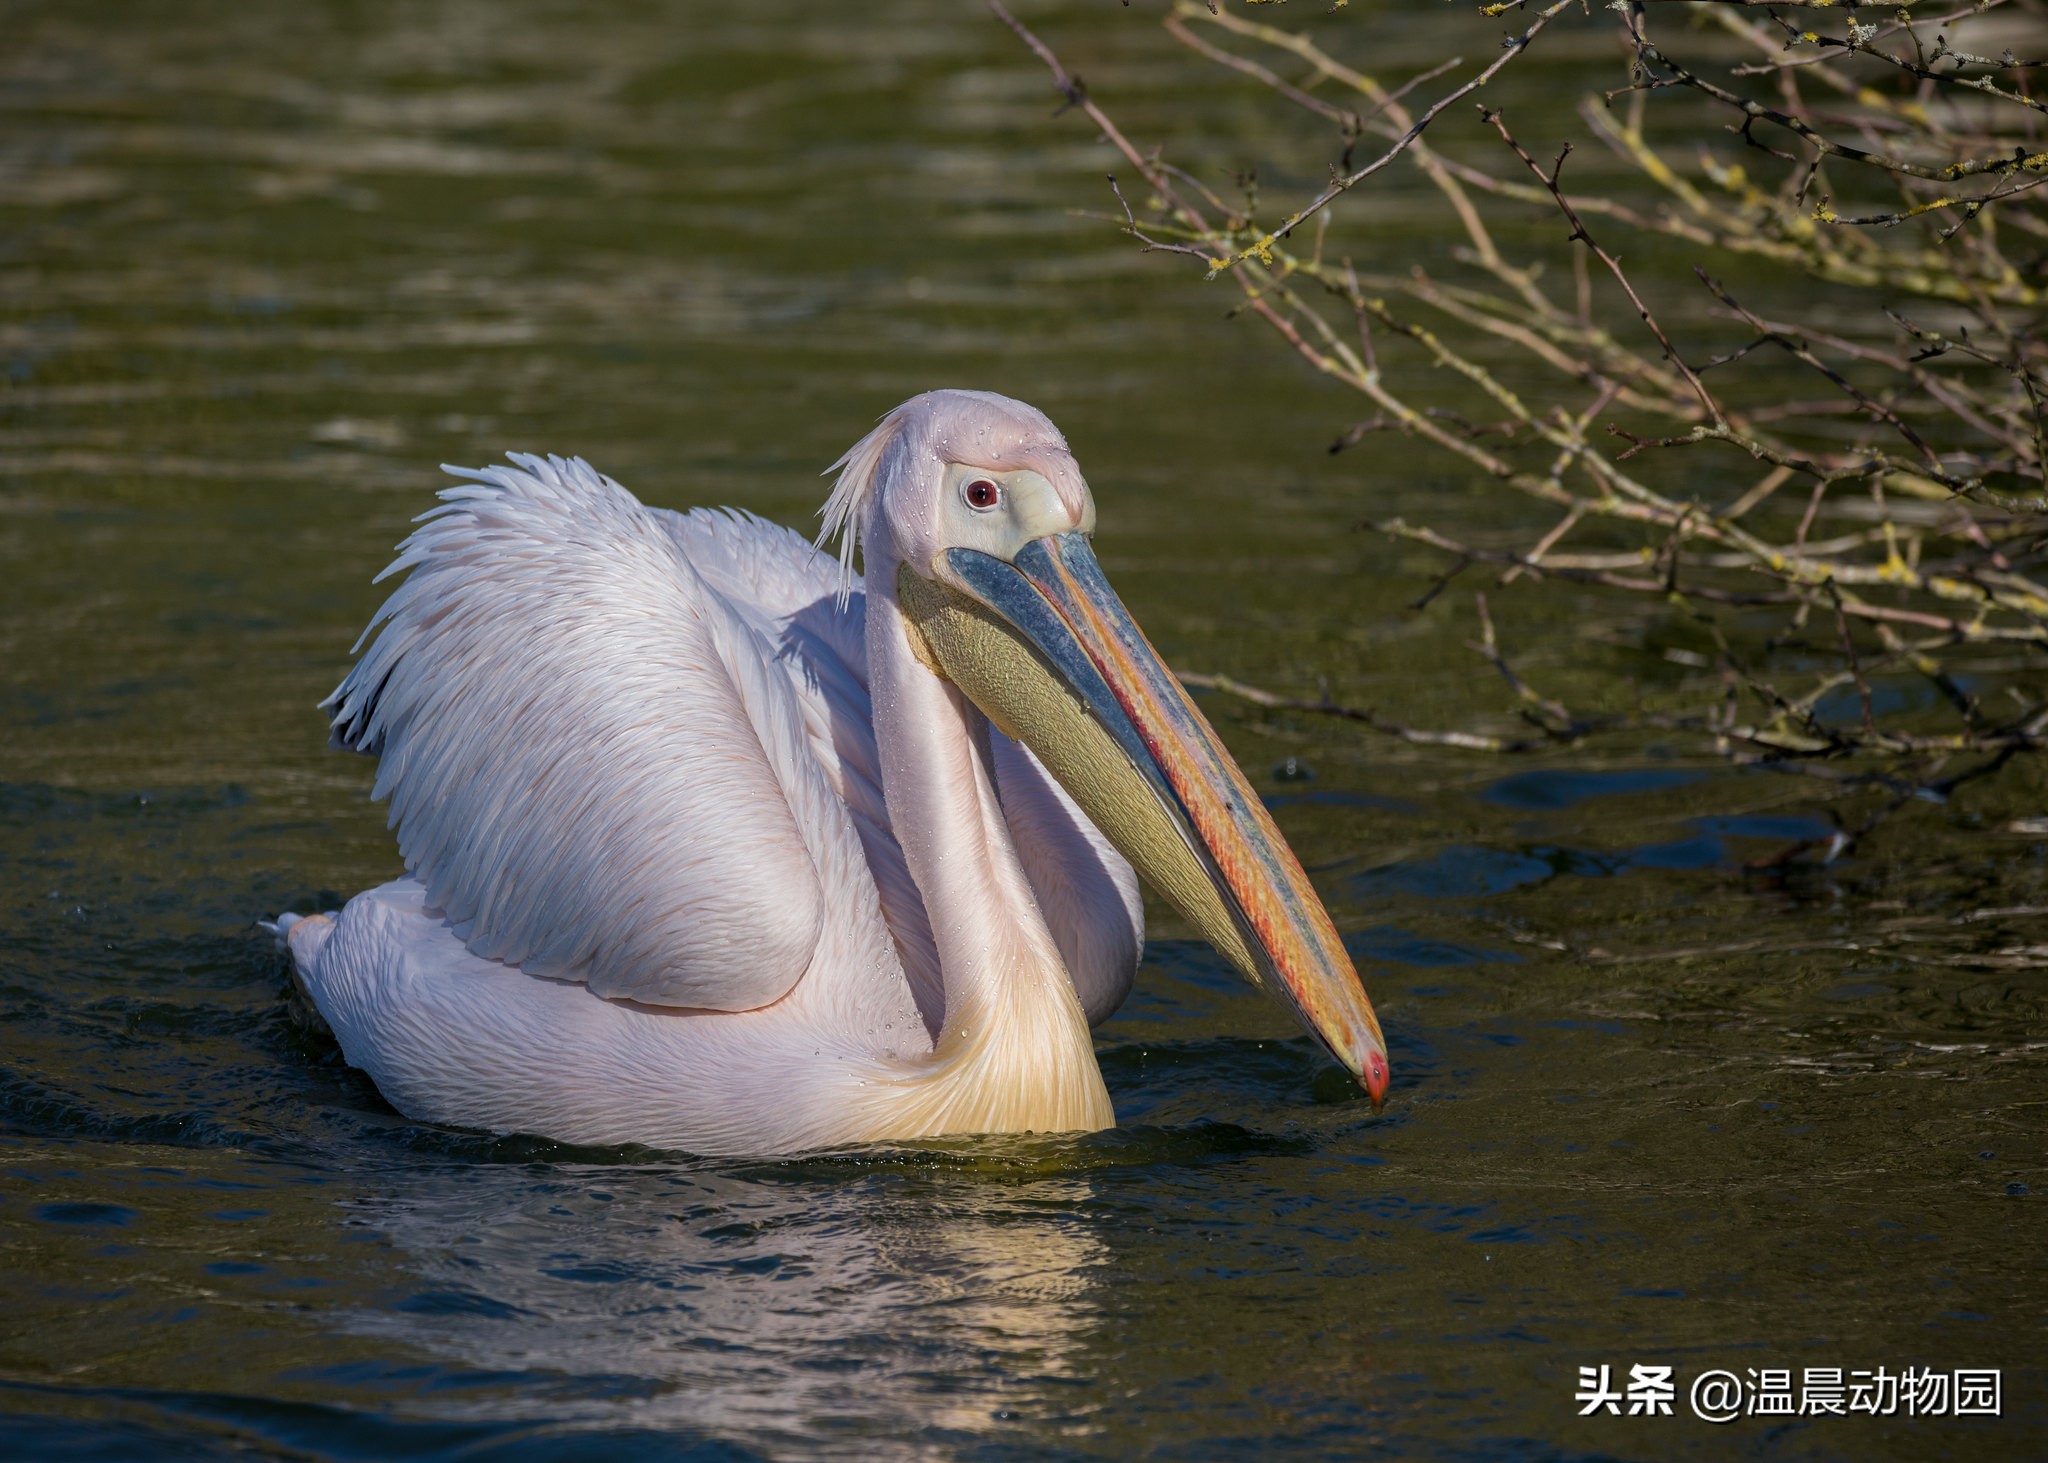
(714, 845)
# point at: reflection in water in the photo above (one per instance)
(782, 1303)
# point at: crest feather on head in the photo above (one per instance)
(858, 467)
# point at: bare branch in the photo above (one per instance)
(1908, 536)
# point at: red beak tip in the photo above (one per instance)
(1375, 1080)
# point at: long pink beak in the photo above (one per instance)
(1054, 594)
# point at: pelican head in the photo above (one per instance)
(972, 508)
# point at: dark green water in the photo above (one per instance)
(261, 268)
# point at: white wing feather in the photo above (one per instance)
(792, 593)
(596, 763)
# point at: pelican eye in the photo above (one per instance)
(981, 494)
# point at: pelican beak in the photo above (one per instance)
(1044, 647)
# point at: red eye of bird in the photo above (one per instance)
(981, 493)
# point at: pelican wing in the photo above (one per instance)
(596, 763)
(792, 595)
